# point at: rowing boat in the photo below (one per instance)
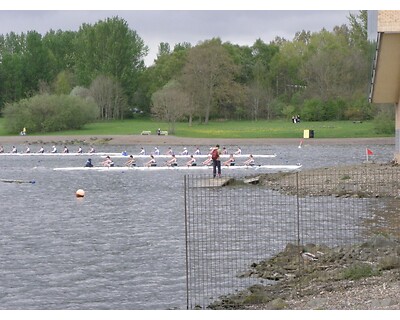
(56, 154)
(222, 156)
(17, 181)
(125, 155)
(259, 167)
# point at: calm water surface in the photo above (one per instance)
(120, 247)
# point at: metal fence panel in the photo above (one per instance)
(231, 224)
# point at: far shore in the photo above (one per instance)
(125, 140)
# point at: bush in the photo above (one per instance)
(359, 271)
(384, 122)
(49, 113)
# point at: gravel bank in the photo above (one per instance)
(323, 284)
(358, 277)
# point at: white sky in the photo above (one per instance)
(174, 21)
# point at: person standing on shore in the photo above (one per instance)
(215, 156)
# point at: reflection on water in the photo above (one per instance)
(122, 246)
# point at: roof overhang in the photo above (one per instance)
(385, 82)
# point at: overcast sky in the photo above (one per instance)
(177, 25)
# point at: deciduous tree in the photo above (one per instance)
(169, 103)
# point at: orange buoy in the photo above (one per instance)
(80, 193)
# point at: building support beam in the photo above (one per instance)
(397, 137)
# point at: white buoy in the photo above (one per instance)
(80, 193)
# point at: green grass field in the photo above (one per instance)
(227, 129)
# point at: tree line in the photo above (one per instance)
(322, 75)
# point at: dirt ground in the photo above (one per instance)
(173, 140)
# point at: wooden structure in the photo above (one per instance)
(385, 80)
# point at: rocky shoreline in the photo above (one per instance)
(358, 277)
(364, 276)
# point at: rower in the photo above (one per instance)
(108, 162)
(92, 150)
(172, 162)
(79, 150)
(28, 150)
(170, 152)
(156, 151)
(152, 162)
(54, 149)
(65, 150)
(191, 162)
(89, 163)
(250, 161)
(238, 151)
(41, 150)
(14, 149)
(224, 150)
(1, 149)
(184, 152)
(142, 151)
(131, 162)
(230, 161)
(208, 161)
(197, 152)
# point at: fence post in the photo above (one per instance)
(186, 240)
(298, 231)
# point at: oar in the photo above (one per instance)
(17, 181)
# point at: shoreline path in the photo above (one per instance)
(173, 140)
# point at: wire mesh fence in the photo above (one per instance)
(231, 224)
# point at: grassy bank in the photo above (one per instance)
(226, 129)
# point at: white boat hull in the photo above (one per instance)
(57, 154)
(223, 156)
(266, 167)
(120, 155)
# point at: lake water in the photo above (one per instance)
(122, 246)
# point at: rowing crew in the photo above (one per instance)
(41, 150)
(173, 162)
(184, 152)
(106, 163)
